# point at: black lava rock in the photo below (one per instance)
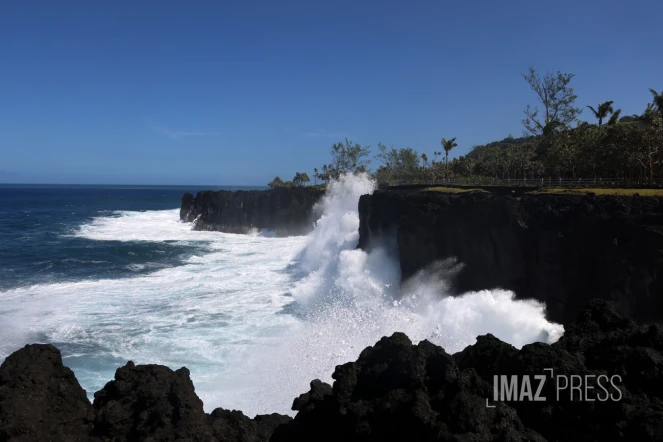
(395, 391)
(563, 250)
(285, 211)
(40, 399)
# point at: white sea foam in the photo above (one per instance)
(349, 299)
(197, 314)
(256, 318)
(156, 225)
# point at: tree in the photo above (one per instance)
(614, 118)
(347, 158)
(300, 179)
(658, 100)
(651, 137)
(557, 98)
(649, 116)
(522, 156)
(464, 165)
(424, 160)
(398, 164)
(276, 182)
(648, 154)
(602, 111)
(315, 176)
(448, 145)
(490, 162)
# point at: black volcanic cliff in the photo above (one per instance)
(286, 211)
(560, 249)
(395, 391)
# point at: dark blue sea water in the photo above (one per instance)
(38, 223)
(109, 274)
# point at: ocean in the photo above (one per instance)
(109, 274)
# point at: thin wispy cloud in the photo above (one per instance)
(325, 134)
(174, 134)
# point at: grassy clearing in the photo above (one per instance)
(599, 191)
(451, 190)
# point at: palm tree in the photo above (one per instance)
(448, 145)
(649, 115)
(614, 118)
(424, 160)
(603, 111)
(658, 100)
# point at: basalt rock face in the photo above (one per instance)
(155, 403)
(150, 401)
(40, 399)
(286, 211)
(560, 249)
(397, 391)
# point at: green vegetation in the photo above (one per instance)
(658, 100)
(443, 189)
(624, 148)
(604, 109)
(555, 145)
(447, 145)
(277, 182)
(557, 99)
(300, 179)
(599, 191)
(398, 164)
(346, 158)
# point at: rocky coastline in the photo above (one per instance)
(560, 249)
(395, 391)
(283, 211)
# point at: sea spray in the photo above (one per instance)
(349, 278)
(348, 299)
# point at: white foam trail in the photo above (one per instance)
(219, 313)
(154, 225)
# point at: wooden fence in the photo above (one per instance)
(538, 182)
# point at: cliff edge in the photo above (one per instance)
(560, 249)
(285, 211)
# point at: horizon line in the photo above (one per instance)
(131, 184)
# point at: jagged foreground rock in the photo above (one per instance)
(41, 400)
(395, 391)
(399, 391)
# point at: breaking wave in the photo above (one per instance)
(256, 318)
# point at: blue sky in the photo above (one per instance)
(224, 92)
